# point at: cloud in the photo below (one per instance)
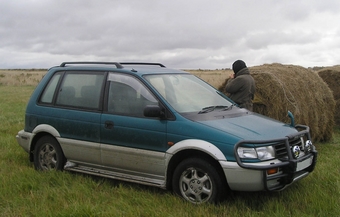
(184, 34)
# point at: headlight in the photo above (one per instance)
(261, 153)
(246, 152)
(265, 153)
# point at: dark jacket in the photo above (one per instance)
(242, 89)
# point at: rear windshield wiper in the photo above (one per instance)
(212, 108)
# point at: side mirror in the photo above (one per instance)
(153, 111)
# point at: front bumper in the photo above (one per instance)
(287, 169)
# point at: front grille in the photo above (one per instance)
(281, 150)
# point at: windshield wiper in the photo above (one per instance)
(212, 108)
(228, 107)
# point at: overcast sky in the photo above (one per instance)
(183, 34)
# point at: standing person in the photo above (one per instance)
(241, 85)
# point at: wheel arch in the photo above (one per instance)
(190, 149)
(39, 132)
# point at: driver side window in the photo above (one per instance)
(128, 96)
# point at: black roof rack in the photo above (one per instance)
(118, 65)
(137, 63)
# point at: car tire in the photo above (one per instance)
(48, 154)
(197, 181)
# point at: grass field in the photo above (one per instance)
(26, 192)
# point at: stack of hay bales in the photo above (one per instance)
(331, 76)
(282, 88)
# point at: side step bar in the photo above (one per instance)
(156, 182)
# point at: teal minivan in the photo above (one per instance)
(145, 123)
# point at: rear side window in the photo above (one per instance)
(77, 89)
(47, 96)
(81, 90)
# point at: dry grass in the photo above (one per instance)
(33, 76)
(331, 75)
(213, 77)
(19, 77)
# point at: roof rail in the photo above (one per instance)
(137, 63)
(118, 65)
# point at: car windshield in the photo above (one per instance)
(187, 93)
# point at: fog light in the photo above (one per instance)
(308, 146)
(272, 171)
(296, 151)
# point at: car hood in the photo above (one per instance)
(251, 126)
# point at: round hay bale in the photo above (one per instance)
(282, 88)
(331, 77)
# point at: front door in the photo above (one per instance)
(130, 142)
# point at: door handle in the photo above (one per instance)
(108, 124)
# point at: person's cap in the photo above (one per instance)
(238, 65)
